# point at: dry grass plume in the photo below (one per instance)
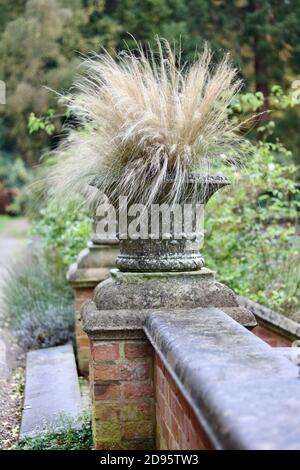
(145, 116)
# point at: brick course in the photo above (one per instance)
(136, 403)
(271, 338)
(177, 427)
(121, 381)
(136, 400)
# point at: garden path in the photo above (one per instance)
(12, 240)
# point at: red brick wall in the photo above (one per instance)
(136, 403)
(132, 391)
(121, 381)
(177, 427)
(273, 339)
(82, 342)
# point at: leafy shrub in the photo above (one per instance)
(14, 173)
(38, 301)
(78, 437)
(15, 176)
(252, 239)
(64, 229)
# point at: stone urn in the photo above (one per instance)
(175, 248)
(162, 272)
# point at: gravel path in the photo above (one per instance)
(12, 242)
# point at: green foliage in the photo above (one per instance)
(41, 41)
(37, 297)
(50, 122)
(14, 172)
(247, 102)
(34, 55)
(64, 230)
(251, 230)
(72, 436)
(36, 124)
(277, 100)
(262, 35)
(17, 175)
(38, 301)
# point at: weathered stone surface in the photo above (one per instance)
(93, 264)
(52, 390)
(175, 247)
(112, 324)
(244, 393)
(241, 315)
(166, 263)
(156, 290)
(141, 292)
(289, 353)
(276, 322)
(126, 324)
(158, 255)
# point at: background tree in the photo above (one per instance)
(41, 41)
(34, 54)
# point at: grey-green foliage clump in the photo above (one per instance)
(70, 437)
(38, 301)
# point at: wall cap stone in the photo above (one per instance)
(129, 323)
(272, 320)
(245, 394)
(112, 324)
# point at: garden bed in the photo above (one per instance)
(11, 393)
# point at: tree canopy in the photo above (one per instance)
(42, 40)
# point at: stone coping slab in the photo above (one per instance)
(272, 320)
(245, 394)
(52, 393)
(289, 352)
(127, 323)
